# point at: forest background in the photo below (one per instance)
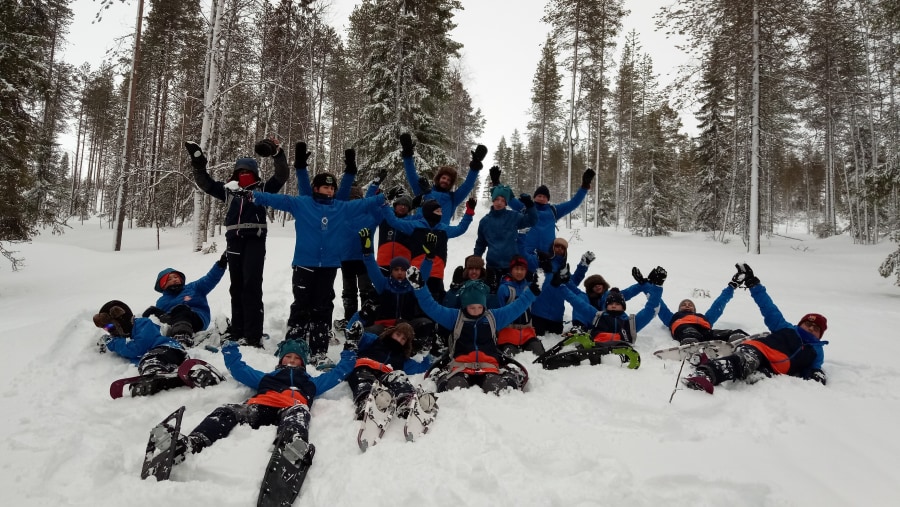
(796, 104)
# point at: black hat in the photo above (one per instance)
(429, 209)
(615, 296)
(324, 179)
(542, 190)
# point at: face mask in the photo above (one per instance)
(246, 179)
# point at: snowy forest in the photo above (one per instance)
(798, 105)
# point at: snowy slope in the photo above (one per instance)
(602, 435)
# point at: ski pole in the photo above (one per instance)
(677, 379)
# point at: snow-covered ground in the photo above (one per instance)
(601, 435)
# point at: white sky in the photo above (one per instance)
(502, 40)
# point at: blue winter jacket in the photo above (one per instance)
(370, 347)
(497, 233)
(449, 201)
(805, 351)
(285, 379)
(325, 227)
(510, 290)
(192, 295)
(550, 304)
(584, 312)
(145, 335)
(543, 232)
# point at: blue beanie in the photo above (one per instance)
(399, 262)
(473, 292)
(246, 164)
(501, 191)
(298, 347)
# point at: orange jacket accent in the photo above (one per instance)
(515, 336)
(690, 319)
(607, 337)
(779, 361)
(389, 250)
(386, 322)
(280, 399)
(478, 357)
(373, 364)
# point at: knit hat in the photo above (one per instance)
(298, 347)
(615, 296)
(163, 276)
(473, 292)
(593, 281)
(115, 317)
(403, 201)
(501, 191)
(245, 164)
(324, 179)
(518, 260)
(399, 262)
(817, 319)
(474, 262)
(429, 209)
(542, 190)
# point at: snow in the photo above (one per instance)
(577, 436)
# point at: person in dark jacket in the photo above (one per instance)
(141, 341)
(498, 230)
(520, 334)
(612, 323)
(688, 326)
(472, 356)
(789, 349)
(184, 306)
(387, 358)
(325, 229)
(444, 179)
(283, 398)
(245, 233)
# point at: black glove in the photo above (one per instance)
(526, 200)
(350, 162)
(430, 245)
(587, 178)
(153, 311)
(534, 288)
(738, 277)
(638, 276)
(198, 159)
(588, 258)
(417, 202)
(750, 280)
(353, 335)
(407, 145)
(560, 277)
(414, 277)
(544, 261)
(477, 157)
(657, 276)
(458, 275)
(301, 156)
(495, 176)
(424, 185)
(368, 311)
(266, 148)
(365, 241)
(382, 174)
(817, 375)
(394, 192)
(223, 260)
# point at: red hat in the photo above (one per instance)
(518, 260)
(817, 319)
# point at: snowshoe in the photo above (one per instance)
(199, 373)
(160, 455)
(285, 473)
(145, 385)
(377, 415)
(420, 410)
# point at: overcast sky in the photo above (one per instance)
(501, 38)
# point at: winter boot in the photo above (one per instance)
(321, 361)
(182, 332)
(193, 443)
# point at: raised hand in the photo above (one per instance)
(365, 241)
(301, 156)
(198, 159)
(407, 145)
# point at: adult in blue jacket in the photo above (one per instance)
(444, 178)
(544, 231)
(245, 232)
(789, 349)
(184, 306)
(283, 398)
(325, 229)
(498, 230)
(473, 357)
